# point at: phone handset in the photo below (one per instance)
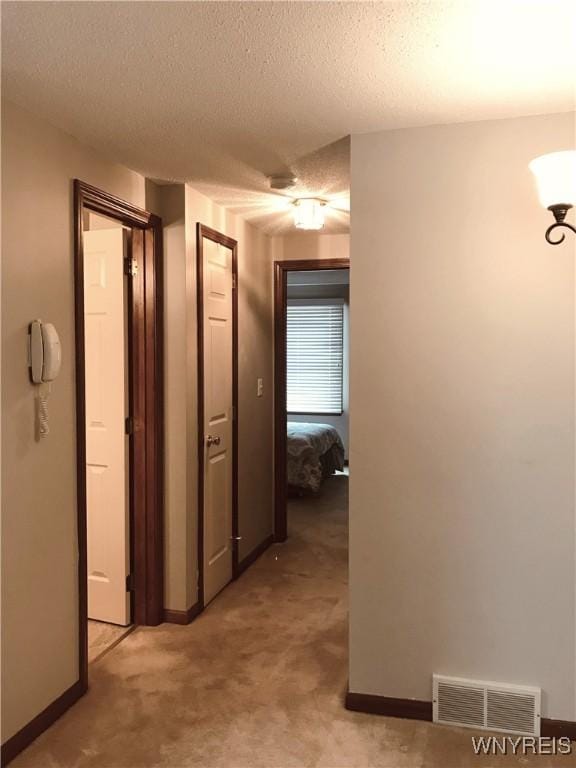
(45, 359)
(45, 352)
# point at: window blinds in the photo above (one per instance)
(315, 348)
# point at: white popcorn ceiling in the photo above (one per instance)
(223, 94)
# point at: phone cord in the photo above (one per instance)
(43, 414)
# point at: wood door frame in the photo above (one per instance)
(281, 269)
(146, 385)
(203, 231)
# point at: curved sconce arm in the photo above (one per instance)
(559, 212)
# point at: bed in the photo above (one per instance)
(314, 452)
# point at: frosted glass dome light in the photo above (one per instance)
(309, 213)
(555, 175)
(556, 178)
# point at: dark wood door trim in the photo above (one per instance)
(281, 269)
(145, 353)
(109, 205)
(202, 231)
(146, 450)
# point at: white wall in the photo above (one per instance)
(462, 507)
(39, 542)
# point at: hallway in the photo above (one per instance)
(257, 680)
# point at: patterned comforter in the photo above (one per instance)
(315, 451)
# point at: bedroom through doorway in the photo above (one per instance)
(312, 412)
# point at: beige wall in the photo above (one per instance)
(255, 470)
(255, 352)
(310, 245)
(462, 456)
(168, 201)
(39, 572)
(39, 516)
(39, 558)
(181, 208)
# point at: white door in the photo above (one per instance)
(106, 440)
(217, 314)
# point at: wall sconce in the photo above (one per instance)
(309, 213)
(556, 180)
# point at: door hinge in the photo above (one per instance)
(130, 583)
(233, 411)
(130, 267)
(129, 425)
(234, 282)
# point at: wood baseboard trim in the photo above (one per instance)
(26, 735)
(186, 617)
(182, 617)
(558, 728)
(413, 709)
(254, 555)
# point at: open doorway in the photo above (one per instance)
(108, 404)
(119, 420)
(311, 394)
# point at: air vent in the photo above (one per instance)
(491, 706)
(460, 704)
(515, 712)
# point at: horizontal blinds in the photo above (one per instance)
(315, 358)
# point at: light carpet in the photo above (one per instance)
(102, 637)
(258, 680)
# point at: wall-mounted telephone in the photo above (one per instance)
(45, 359)
(45, 352)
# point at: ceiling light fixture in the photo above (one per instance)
(309, 213)
(556, 180)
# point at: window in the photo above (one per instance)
(315, 350)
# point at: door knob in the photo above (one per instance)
(212, 441)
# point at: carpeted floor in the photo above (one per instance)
(103, 637)
(257, 681)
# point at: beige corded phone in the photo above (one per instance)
(45, 359)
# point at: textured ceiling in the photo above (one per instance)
(224, 94)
